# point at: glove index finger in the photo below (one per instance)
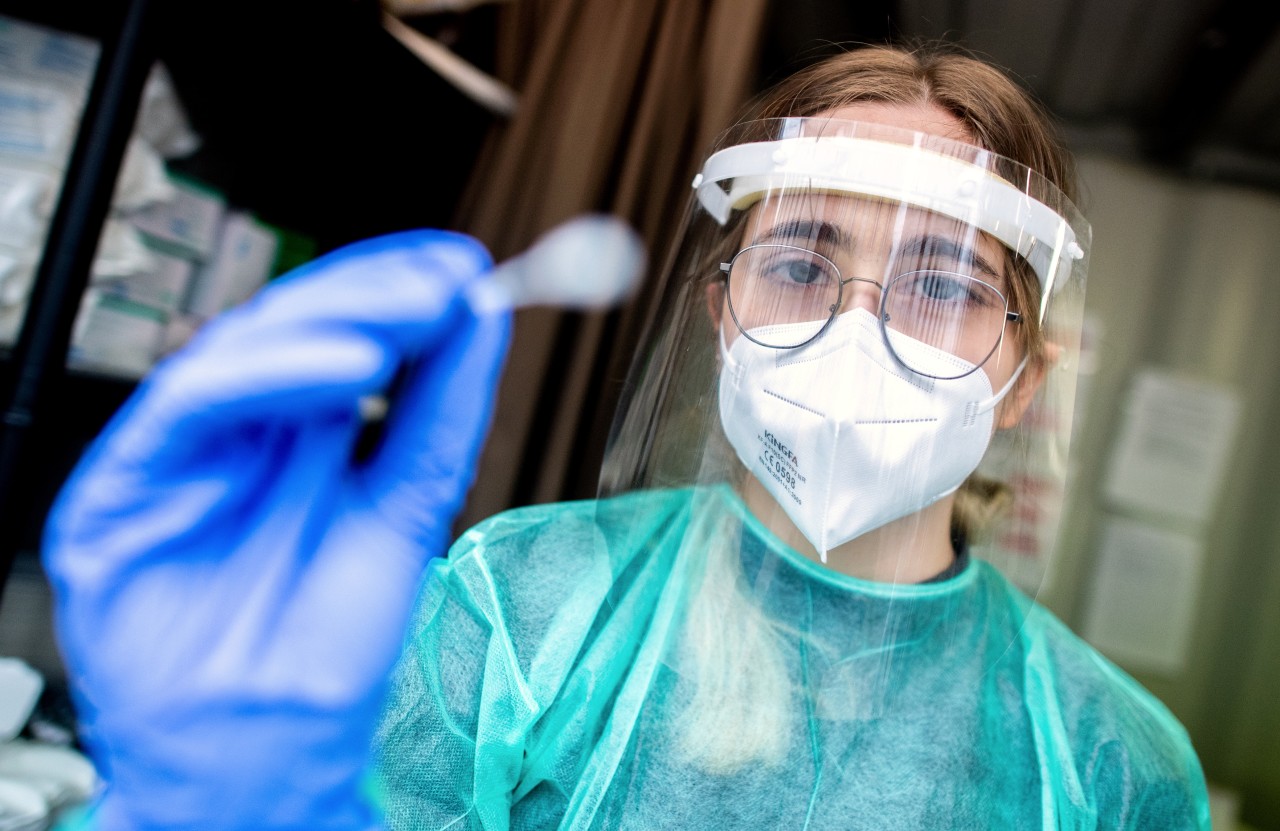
(380, 281)
(309, 346)
(334, 329)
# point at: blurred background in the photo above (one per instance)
(236, 140)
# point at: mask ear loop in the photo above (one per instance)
(990, 403)
(727, 361)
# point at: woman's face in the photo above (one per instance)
(948, 281)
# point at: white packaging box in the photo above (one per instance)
(20, 688)
(116, 336)
(164, 287)
(11, 318)
(50, 55)
(241, 264)
(38, 120)
(180, 329)
(17, 270)
(44, 79)
(27, 193)
(189, 223)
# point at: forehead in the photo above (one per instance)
(844, 225)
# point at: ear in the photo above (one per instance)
(1015, 404)
(715, 302)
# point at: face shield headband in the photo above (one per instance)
(906, 173)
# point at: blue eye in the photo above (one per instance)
(793, 267)
(783, 268)
(800, 271)
(946, 288)
(948, 292)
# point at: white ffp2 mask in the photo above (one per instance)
(844, 437)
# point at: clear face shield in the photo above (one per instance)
(852, 410)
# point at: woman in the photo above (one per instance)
(771, 618)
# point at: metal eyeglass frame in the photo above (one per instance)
(882, 316)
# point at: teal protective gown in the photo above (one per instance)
(553, 679)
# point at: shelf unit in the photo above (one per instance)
(311, 116)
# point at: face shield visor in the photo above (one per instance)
(850, 415)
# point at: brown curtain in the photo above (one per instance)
(618, 100)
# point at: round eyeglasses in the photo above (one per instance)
(785, 296)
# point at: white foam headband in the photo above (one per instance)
(902, 172)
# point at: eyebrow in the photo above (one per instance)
(808, 230)
(939, 246)
(830, 234)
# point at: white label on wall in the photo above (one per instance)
(1173, 446)
(1142, 604)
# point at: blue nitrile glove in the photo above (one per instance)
(232, 588)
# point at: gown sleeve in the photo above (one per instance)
(1172, 805)
(449, 749)
(1131, 764)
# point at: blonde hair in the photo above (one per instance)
(734, 717)
(742, 701)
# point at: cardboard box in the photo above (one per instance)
(189, 224)
(241, 263)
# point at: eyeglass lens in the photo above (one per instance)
(784, 296)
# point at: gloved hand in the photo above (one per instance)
(232, 588)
